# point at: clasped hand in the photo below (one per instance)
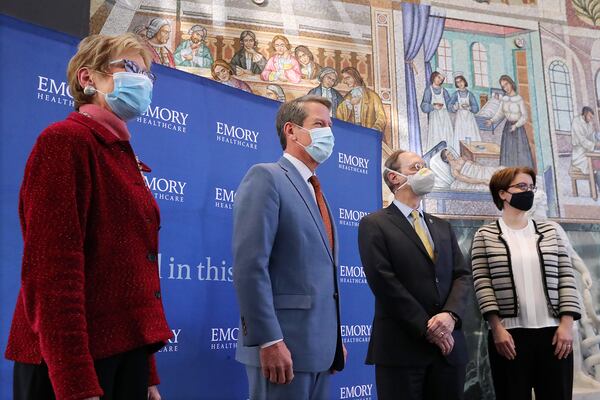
(439, 332)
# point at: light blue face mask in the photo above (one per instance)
(321, 145)
(131, 96)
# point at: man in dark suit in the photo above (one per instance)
(421, 285)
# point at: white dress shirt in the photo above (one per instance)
(527, 277)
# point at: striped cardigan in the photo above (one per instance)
(494, 281)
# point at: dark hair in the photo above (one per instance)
(248, 33)
(434, 75)
(509, 80)
(502, 179)
(444, 155)
(392, 163)
(587, 109)
(353, 72)
(293, 111)
(461, 78)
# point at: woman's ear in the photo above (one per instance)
(84, 77)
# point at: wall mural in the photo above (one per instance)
(473, 85)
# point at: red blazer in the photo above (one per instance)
(89, 280)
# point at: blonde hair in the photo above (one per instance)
(95, 52)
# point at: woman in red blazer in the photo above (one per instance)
(89, 315)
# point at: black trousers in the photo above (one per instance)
(122, 377)
(535, 367)
(436, 381)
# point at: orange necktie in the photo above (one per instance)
(314, 181)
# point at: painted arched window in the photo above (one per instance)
(480, 64)
(444, 58)
(562, 98)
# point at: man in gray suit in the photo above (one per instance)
(284, 263)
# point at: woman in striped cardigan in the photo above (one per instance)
(526, 291)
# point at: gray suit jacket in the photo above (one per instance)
(284, 270)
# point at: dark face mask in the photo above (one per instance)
(522, 201)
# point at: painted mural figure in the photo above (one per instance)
(309, 68)
(465, 105)
(248, 60)
(361, 105)
(467, 175)
(435, 104)
(583, 140)
(283, 66)
(275, 92)
(514, 146)
(222, 71)
(194, 52)
(158, 32)
(328, 78)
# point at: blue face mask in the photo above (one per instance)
(131, 96)
(321, 145)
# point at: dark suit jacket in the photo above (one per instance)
(410, 288)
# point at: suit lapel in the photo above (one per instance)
(296, 179)
(402, 222)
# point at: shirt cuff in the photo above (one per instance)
(271, 343)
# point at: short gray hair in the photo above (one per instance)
(293, 111)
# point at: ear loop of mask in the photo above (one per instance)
(401, 174)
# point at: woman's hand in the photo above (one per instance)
(505, 345)
(563, 338)
(153, 393)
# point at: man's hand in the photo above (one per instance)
(276, 363)
(153, 393)
(333, 371)
(444, 342)
(439, 324)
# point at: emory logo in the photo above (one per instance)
(224, 198)
(237, 136)
(353, 163)
(166, 189)
(362, 392)
(352, 274)
(201, 272)
(163, 117)
(54, 91)
(350, 217)
(355, 333)
(172, 345)
(223, 338)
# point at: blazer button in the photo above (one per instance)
(151, 257)
(336, 296)
(157, 295)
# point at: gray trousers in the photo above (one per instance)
(304, 386)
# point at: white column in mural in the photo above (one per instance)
(120, 17)
(400, 82)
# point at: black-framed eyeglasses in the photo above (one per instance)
(132, 66)
(524, 187)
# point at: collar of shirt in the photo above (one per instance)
(406, 210)
(304, 171)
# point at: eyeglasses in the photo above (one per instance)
(132, 66)
(417, 166)
(524, 187)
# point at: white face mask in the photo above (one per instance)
(421, 183)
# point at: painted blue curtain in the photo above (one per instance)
(414, 21)
(433, 36)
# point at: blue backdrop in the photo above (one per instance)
(199, 137)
